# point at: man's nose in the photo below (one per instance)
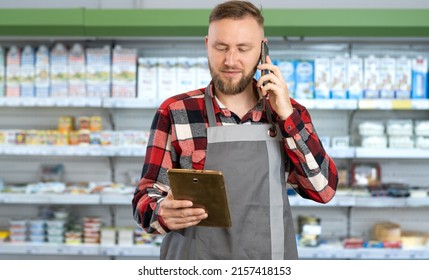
(230, 58)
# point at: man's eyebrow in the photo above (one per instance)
(239, 45)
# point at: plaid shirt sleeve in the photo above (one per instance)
(312, 173)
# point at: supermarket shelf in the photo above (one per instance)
(341, 152)
(98, 151)
(50, 102)
(329, 104)
(152, 251)
(391, 153)
(11, 198)
(393, 104)
(326, 252)
(116, 199)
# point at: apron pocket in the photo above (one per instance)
(198, 159)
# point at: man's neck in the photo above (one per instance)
(240, 103)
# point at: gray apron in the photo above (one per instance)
(252, 162)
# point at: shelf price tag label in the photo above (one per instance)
(373, 104)
(420, 104)
(401, 104)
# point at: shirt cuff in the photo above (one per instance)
(292, 125)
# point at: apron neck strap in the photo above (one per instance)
(210, 109)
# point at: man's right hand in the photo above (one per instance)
(178, 214)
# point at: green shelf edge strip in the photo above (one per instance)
(167, 22)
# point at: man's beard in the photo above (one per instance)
(228, 87)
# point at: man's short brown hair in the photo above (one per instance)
(236, 10)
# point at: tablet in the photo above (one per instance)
(206, 189)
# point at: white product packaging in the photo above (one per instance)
(2, 72)
(186, 74)
(124, 72)
(371, 74)
(387, 77)
(203, 72)
(419, 78)
(339, 77)
(403, 127)
(77, 71)
(421, 128)
(27, 72)
(13, 72)
(304, 79)
(147, 80)
(167, 77)
(403, 78)
(401, 142)
(288, 69)
(322, 77)
(42, 72)
(98, 72)
(59, 71)
(355, 77)
(340, 142)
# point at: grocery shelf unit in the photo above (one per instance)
(291, 33)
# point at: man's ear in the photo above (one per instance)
(207, 40)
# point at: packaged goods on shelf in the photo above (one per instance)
(371, 128)
(422, 142)
(413, 239)
(403, 127)
(203, 76)
(186, 74)
(322, 78)
(371, 77)
(421, 128)
(59, 71)
(355, 77)
(386, 231)
(340, 141)
(2, 72)
(403, 78)
(42, 72)
(374, 142)
(98, 71)
(419, 78)
(387, 77)
(147, 81)
(13, 72)
(304, 79)
(125, 236)
(339, 78)
(404, 142)
(288, 69)
(309, 230)
(167, 77)
(124, 72)
(326, 141)
(366, 174)
(27, 72)
(77, 71)
(108, 236)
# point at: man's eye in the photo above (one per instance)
(221, 49)
(243, 50)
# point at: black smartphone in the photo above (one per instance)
(264, 53)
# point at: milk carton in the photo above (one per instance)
(42, 72)
(77, 71)
(2, 72)
(13, 72)
(288, 69)
(147, 81)
(27, 72)
(322, 77)
(355, 77)
(186, 74)
(203, 72)
(419, 78)
(124, 72)
(339, 78)
(98, 72)
(59, 71)
(387, 77)
(167, 77)
(305, 79)
(371, 77)
(403, 78)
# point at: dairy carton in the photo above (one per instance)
(77, 71)
(124, 71)
(322, 77)
(13, 72)
(371, 76)
(186, 74)
(2, 72)
(305, 79)
(288, 69)
(98, 72)
(403, 78)
(339, 77)
(42, 72)
(59, 71)
(147, 80)
(387, 77)
(27, 72)
(419, 78)
(203, 72)
(167, 77)
(355, 77)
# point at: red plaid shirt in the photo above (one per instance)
(178, 139)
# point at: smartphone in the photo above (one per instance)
(264, 53)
